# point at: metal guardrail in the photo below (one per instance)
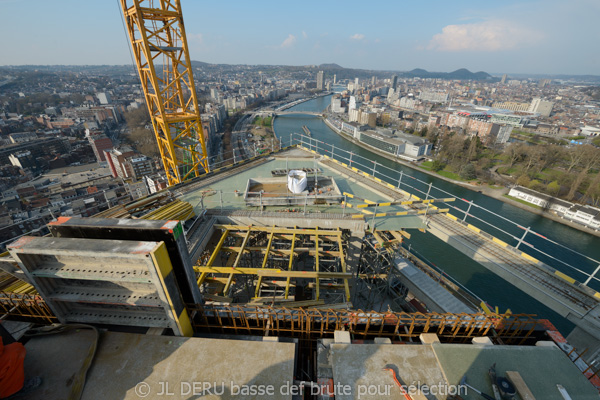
(408, 183)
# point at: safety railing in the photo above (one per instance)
(586, 269)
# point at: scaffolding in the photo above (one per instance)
(274, 265)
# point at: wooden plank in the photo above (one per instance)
(304, 303)
(218, 299)
(515, 378)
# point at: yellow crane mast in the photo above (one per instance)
(157, 34)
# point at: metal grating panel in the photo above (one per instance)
(104, 281)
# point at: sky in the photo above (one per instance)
(530, 37)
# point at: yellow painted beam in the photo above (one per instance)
(264, 263)
(343, 263)
(228, 284)
(270, 229)
(273, 272)
(213, 256)
(202, 278)
(317, 263)
(241, 251)
(288, 280)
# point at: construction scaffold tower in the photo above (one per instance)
(160, 49)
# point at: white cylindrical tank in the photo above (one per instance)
(296, 181)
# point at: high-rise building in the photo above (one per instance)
(320, 85)
(356, 84)
(116, 161)
(139, 166)
(373, 80)
(334, 79)
(504, 134)
(354, 103)
(503, 80)
(394, 81)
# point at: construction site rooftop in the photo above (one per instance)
(227, 192)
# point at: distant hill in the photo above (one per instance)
(330, 66)
(462, 74)
(351, 73)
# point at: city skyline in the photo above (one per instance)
(530, 37)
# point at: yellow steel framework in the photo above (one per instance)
(157, 35)
(226, 272)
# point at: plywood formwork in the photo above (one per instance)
(279, 264)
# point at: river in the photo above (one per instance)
(475, 277)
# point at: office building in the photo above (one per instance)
(320, 82)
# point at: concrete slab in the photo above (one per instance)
(359, 367)
(57, 359)
(428, 338)
(542, 368)
(150, 364)
(228, 184)
(153, 364)
(483, 340)
(342, 337)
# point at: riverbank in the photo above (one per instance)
(497, 194)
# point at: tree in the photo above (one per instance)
(590, 157)
(514, 152)
(432, 135)
(550, 155)
(574, 157)
(553, 188)
(536, 185)
(523, 180)
(593, 189)
(474, 146)
(144, 141)
(437, 165)
(137, 118)
(533, 156)
(468, 172)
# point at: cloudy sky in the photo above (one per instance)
(546, 37)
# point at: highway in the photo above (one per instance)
(239, 138)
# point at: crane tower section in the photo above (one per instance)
(160, 49)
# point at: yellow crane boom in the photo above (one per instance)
(157, 34)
